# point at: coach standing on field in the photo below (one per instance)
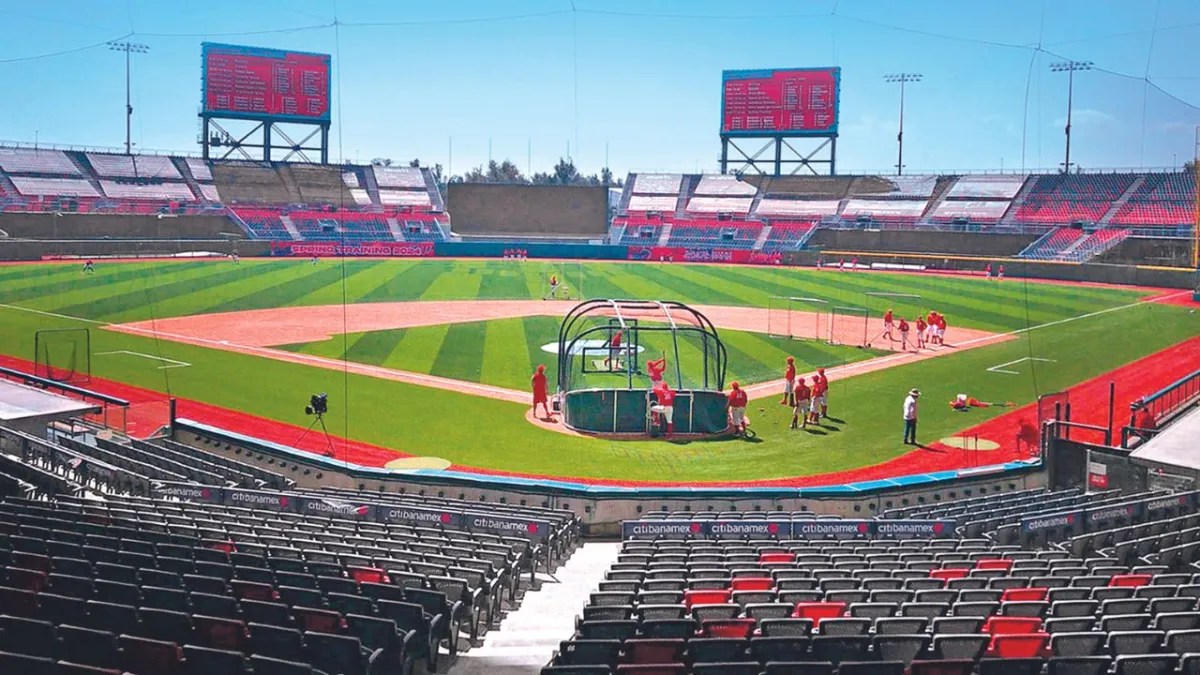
(910, 417)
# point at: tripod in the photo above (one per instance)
(319, 419)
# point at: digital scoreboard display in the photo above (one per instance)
(796, 101)
(254, 83)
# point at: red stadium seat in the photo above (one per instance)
(948, 574)
(370, 574)
(1012, 625)
(706, 597)
(666, 650)
(1018, 646)
(1032, 594)
(1130, 580)
(777, 558)
(994, 564)
(752, 584)
(819, 610)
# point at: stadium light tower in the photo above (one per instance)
(129, 48)
(902, 78)
(1069, 67)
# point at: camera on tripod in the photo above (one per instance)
(318, 404)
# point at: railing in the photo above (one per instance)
(1180, 394)
(113, 413)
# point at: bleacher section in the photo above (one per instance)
(263, 223)
(988, 585)
(135, 166)
(19, 160)
(1165, 200)
(317, 226)
(1062, 199)
(1051, 244)
(53, 187)
(788, 235)
(707, 233)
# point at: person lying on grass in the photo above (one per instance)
(963, 403)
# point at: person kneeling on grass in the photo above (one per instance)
(803, 399)
(737, 408)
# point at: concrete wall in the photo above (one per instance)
(909, 241)
(99, 248)
(97, 226)
(484, 208)
(1158, 252)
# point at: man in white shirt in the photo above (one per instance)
(910, 417)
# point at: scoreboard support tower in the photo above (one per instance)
(780, 155)
(257, 140)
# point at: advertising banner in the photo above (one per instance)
(336, 507)
(187, 491)
(416, 515)
(537, 530)
(787, 529)
(253, 499)
(717, 255)
(373, 249)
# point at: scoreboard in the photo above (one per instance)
(797, 101)
(254, 83)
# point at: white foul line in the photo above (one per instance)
(1000, 368)
(171, 363)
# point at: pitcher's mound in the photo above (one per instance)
(968, 443)
(411, 463)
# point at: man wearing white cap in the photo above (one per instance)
(910, 417)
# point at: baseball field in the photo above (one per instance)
(431, 358)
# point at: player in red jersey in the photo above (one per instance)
(540, 391)
(887, 324)
(941, 329)
(987, 271)
(1000, 273)
(803, 404)
(823, 399)
(789, 382)
(854, 263)
(737, 408)
(819, 387)
(553, 292)
(921, 327)
(655, 369)
(665, 406)
(903, 334)
(614, 351)
(931, 329)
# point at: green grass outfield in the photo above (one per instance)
(487, 433)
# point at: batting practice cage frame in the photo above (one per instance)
(696, 363)
(63, 354)
(904, 306)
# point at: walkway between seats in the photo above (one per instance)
(528, 636)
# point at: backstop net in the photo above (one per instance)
(63, 355)
(798, 318)
(849, 326)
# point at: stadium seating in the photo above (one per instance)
(1162, 200)
(1050, 245)
(978, 602)
(263, 224)
(788, 235)
(343, 225)
(714, 233)
(1067, 198)
(24, 160)
(639, 231)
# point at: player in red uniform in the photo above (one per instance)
(903, 334)
(737, 408)
(941, 329)
(931, 329)
(819, 387)
(803, 401)
(1000, 273)
(614, 350)
(987, 271)
(921, 327)
(854, 263)
(553, 293)
(789, 382)
(540, 391)
(655, 369)
(665, 406)
(823, 399)
(887, 324)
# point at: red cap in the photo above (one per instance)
(734, 384)
(800, 380)
(820, 371)
(541, 368)
(790, 359)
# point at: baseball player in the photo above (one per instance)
(553, 292)
(803, 404)
(819, 387)
(823, 399)
(789, 382)
(941, 329)
(89, 267)
(655, 370)
(903, 334)
(888, 324)
(665, 406)
(737, 408)
(921, 327)
(614, 351)
(540, 391)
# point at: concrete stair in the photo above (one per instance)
(763, 234)
(184, 170)
(372, 186)
(290, 227)
(665, 235)
(1121, 201)
(395, 228)
(939, 195)
(1010, 215)
(528, 637)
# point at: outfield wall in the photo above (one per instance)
(555, 210)
(98, 226)
(30, 250)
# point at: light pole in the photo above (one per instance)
(128, 48)
(902, 78)
(1069, 67)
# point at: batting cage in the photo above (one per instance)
(609, 351)
(63, 355)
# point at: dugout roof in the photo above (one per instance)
(22, 404)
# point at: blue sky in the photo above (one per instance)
(639, 80)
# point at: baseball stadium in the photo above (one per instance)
(268, 407)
